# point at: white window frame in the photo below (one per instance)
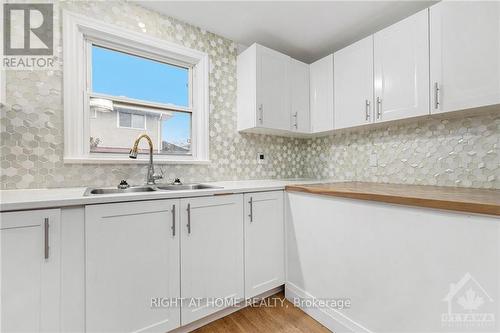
(79, 32)
(3, 101)
(3, 72)
(118, 115)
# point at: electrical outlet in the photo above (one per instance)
(261, 159)
(373, 160)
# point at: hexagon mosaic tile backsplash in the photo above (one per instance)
(32, 122)
(461, 151)
(452, 152)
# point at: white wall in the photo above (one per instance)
(394, 262)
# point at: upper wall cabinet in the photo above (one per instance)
(441, 59)
(299, 96)
(263, 93)
(321, 87)
(401, 60)
(465, 55)
(353, 81)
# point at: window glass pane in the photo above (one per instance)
(170, 131)
(137, 121)
(124, 75)
(125, 119)
(176, 133)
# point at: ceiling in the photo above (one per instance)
(305, 30)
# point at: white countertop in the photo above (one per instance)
(11, 200)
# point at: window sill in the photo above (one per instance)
(126, 160)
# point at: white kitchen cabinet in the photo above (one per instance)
(132, 257)
(264, 242)
(353, 82)
(401, 60)
(30, 271)
(263, 93)
(321, 94)
(464, 55)
(299, 96)
(211, 254)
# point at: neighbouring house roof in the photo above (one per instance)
(173, 147)
(164, 115)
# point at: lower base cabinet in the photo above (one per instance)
(141, 256)
(132, 260)
(390, 262)
(211, 254)
(146, 266)
(30, 271)
(264, 242)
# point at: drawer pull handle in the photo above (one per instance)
(189, 218)
(251, 209)
(367, 110)
(436, 95)
(379, 108)
(46, 238)
(173, 220)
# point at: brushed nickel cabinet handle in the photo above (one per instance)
(367, 110)
(189, 218)
(261, 114)
(296, 116)
(46, 238)
(379, 108)
(251, 209)
(436, 95)
(173, 220)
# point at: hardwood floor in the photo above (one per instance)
(278, 316)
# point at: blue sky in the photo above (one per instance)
(119, 74)
(177, 129)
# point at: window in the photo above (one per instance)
(139, 91)
(129, 84)
(130, 120)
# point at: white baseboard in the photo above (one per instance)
(331, 318)
(222, 313)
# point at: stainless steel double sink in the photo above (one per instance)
(149, 188)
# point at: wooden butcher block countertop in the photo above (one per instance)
(470, 200)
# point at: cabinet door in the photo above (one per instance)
(299, 96)
(321, 90)
(465, 55)
(132, 258)
(211, 254)
(272, 89)
(30, 271)
(401, 56)
(353, 82)
(264, 242)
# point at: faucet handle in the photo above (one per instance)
(156, 177)
(123, 184)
